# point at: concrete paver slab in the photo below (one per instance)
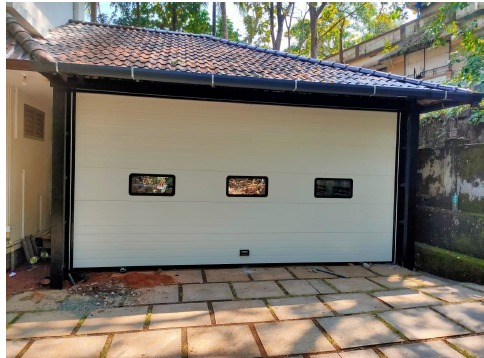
(354, 303)
(185, 276)
(257, 289)
(310, 272)
(36, 300)
(358, 330)
(421, 323)
(84, 347)
(395, 282)
(227, 341)
(114, 320)
(153, 295)
(437, 349)
(406, 299)
(295, 337)
(154, 344)
(351, 271)
(427, 281)
(43, 324)
(241, 312)
(454, 293)
(470, 315)
(472, 345)
(390, 270)
(270, 273)
(321, 286)
(298, 287)
(13, 348)
(226, 275)
(9, 317)
(361, 353)
(353, 284)
(473, 286)
(180, 315)
(299, 307)
(207, 292)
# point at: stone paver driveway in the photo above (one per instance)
(295, 311)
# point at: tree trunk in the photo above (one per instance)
(271, 22)
(314, 14)
(214, 19)
(174, 17)
(223, 11)
(93, 10)
(280, 26)
(138, 15)
(290, 9)
(341, 29)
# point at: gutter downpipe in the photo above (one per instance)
(140, 74)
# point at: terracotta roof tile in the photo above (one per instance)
(108, 45)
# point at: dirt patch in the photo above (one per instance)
(145, 279)
(26, 278)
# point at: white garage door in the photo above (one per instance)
(201, 144)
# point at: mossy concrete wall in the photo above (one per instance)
(454, 168)
(457, 231)
(449, 264)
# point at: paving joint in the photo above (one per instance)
(146, 324)
(107, 345)
(184, 342)
(258, 341)
(211, 312)
(326, 335)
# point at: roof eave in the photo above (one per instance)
(438, 96)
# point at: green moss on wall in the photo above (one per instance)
(449, 264)
(469, 162)
(474, 206)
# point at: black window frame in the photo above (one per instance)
(266, 179)
(151, 175)
(333, 196)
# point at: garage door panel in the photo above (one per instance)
(213, 214)
(211, 187)
(231, 157)
(226, 249)
(201, 143)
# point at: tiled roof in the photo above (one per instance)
(122, 46)
(21, 45)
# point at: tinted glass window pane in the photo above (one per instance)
(247, 186)
(333, 188)
(152, 184)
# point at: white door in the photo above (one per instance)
(201, 143)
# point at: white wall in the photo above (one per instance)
(39, 17)
(28, 162)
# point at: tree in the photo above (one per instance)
(255, 22)
(315, 11)
(232, 34)
(223, 18)
(470, 51)
(189, 16)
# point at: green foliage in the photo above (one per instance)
(356, 22)
(232, 32)
(470, 51)
(188, 16)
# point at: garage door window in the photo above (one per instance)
(152, 184)
(247, 186)
(333, 188)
